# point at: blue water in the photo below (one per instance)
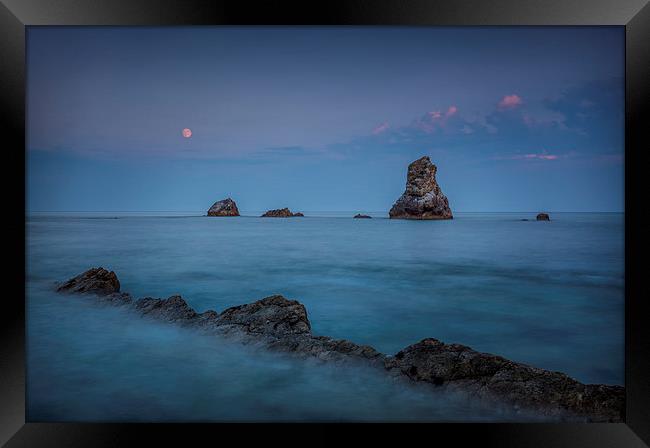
(549, 294)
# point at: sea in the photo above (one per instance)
(547, 294)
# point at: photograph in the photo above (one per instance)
(325, 224)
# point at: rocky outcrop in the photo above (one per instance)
(360, 216)
(423, 198)
(438, 363)
(272, 315)
(281, 213)
(543, 217)
(281, 324)
(225, 207)
(98, 281)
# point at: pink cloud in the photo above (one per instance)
(510, 101)
(435, 115)
(435, 119)
(381, 128)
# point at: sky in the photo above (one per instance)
(324, 118)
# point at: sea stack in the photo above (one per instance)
(543, 217)
(281, 213)
(423, 198)
(360, 216)
(225, 207)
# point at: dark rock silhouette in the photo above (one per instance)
(281, 324)
(423, 198)
(225, 207)
(98, 281)
(360, 216)
(281, 213)
(543, 217)
(438, 363)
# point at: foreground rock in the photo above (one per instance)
(438, 363)
(543, 217)
(225, 207)
(281, 324)
(98, 281)
(423, 198)
(360, 216)
(281, 213)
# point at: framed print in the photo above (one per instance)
(356, 212)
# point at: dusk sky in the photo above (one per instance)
(324, 118)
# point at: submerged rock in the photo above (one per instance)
(360, 216)
(281, 324)
(423, 198)
(225, 207)
(281, 213)
(543, 217)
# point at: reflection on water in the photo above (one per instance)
(547, 294)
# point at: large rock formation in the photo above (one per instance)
(225, 207)
(423, 198)
(281, 324)
(281, 213)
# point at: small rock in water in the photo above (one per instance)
(543, 217)
(360, 216)
(225, 207)
(281, 213)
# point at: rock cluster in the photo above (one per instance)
(423, 198)
(543, 217)
(360, 216)
(281, 324)
(281, 213)
(225, 207)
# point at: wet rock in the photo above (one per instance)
(225, 207)
(543, 217)
(281, 213)
(423, 198)
(271, 315)
(360, 216)
(172, 309)
(98, 281)
(438, 363)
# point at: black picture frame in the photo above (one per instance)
(634, 15)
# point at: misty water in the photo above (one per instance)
(549, 294)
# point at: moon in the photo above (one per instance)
(187, 132)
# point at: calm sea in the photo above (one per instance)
(550, 294)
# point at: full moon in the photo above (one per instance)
(187, 132)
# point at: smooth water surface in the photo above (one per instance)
(549, 294)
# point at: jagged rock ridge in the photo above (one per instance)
(281, 324)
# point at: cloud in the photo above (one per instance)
(435, 120)
(510, 102)
(381, 128)
(530, 156)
